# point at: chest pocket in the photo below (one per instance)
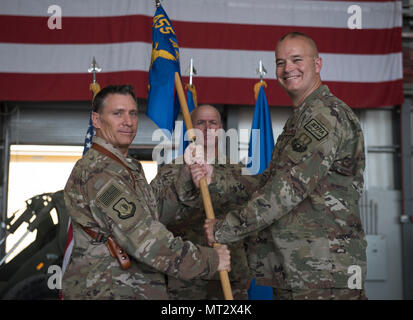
(144, 194)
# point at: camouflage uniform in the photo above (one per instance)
(308, 209)
(186, 220)
(100, 195)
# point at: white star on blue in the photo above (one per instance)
(89, 135)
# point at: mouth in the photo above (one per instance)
(291, 77)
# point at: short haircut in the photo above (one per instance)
(296, 34)
(196, 110)
(99, 100)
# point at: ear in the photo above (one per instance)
(318, 64)
(96, 120)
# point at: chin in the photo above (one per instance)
(291, 89)
(126, 142)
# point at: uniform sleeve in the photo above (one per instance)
(233, 185)
(175, 192)
(114, 201)
(303, 163)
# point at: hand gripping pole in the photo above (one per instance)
(206, 198)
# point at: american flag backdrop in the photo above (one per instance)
(226, 38)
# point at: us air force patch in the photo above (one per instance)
(300, 144)
(316, 129)
(124, 208)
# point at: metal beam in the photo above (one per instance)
(407, 199)
(5, 182)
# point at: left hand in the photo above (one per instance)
(199, 171)
(194, 153)
(209, 230)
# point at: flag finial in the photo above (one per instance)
(261, 70)
(94, 67)
(192, 71)
(157, 3)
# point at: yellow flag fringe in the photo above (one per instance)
(257, 87)
(193, 91)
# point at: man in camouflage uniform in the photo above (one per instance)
(187, 220)
(308, 210)
(107, 194)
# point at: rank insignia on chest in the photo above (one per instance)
(124, 208)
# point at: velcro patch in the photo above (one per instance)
(109, 195)
(124, 208)
(301, 143)
(316, 129)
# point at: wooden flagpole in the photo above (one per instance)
(206, 198)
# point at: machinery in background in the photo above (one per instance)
(25, 277)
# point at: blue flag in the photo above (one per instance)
(259, 152)
(163, 103)
(191, 106)
(261, 139)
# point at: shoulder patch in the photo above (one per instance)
(316, 129)
(301, 143)
(108, 195)
(124, 208)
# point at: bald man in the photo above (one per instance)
(307, 210)
(187, 220)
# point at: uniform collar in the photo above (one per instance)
(321, 91)
(109, 147)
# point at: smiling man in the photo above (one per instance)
(115, 215)
(307, 212)
(298, 67)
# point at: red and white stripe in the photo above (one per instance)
(68, 247)
(226, 39)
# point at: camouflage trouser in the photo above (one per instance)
(319, 294)
(205, 289)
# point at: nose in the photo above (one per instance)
(127, 120)
(288, 66)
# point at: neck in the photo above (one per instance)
(297, 100)
(123, 151)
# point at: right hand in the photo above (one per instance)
(209, 230)
(224, 258)
(199, 171)
(194, 153)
